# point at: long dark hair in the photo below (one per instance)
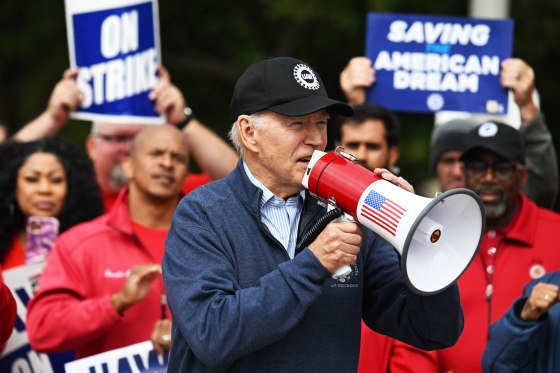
(82, 201)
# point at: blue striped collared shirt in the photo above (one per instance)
(280, 217)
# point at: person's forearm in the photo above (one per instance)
(528, 113)
(38, 128)
(511, 344)
(540, 157)
(60, 322)
(211, 153)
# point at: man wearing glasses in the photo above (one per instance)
(520, 242)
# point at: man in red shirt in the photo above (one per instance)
(102, 288)
(519, 243)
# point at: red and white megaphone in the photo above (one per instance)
(436, 238)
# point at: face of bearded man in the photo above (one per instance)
(497, 182)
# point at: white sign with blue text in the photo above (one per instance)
(18, 356)
(115, 44)
(430, 63)
(137, 358)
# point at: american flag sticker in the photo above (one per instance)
(382, 212)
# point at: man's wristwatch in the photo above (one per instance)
(189, 115)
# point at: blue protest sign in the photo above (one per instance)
(117, 51)
(431, 63)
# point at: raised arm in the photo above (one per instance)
(211, 152)
(542, 183)
(65, 98)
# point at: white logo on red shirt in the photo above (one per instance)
(537, 271)
(116, 274)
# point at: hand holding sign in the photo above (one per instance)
(168, 98)
(520, 78)
(355, 78)
(65, 98)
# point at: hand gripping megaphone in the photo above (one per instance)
(436, 238)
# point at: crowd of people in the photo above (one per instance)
(206, 265)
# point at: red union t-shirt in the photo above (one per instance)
(153, 239)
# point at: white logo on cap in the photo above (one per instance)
(488, 129)
(306, 77)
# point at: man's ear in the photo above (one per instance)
(90, 146)
(127, 167)
(394, 154)
(523, 175)
(247, 133)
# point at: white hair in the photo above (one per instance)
(258, 119)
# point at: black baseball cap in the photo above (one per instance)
(497, 137)
(284, 85)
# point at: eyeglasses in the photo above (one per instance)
(115, 139)
(501, 170)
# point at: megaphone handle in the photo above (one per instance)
(342, 271)
(333, 214)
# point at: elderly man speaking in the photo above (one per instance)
(241, 297)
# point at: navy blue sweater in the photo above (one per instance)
(239, 304)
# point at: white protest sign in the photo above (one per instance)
(115, 44)
(17, 356)
(137, 358)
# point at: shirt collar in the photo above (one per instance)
(268, 196)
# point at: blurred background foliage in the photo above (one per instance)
(206, 45)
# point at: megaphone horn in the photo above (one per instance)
(436, 238)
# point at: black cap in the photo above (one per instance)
(448, 137)
(284, 85)
(497, 137)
